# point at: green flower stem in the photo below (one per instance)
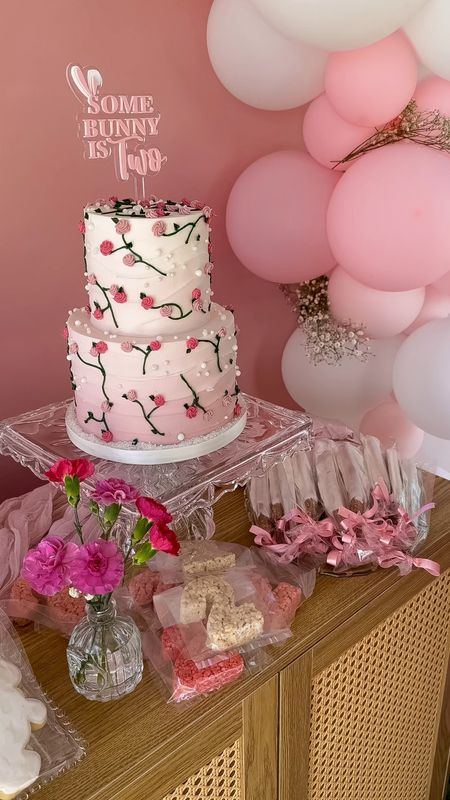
(147, 417)
(145, 353)
(101, 420)
(182, 315)
(102, 370)
(108, 304)
(216, 349)
(190, 225)
(196, 399)
(77, 524)
(129, 246)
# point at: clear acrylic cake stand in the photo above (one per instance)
(189, 489)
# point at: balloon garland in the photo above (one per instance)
(355, 231)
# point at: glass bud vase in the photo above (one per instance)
(105, 654)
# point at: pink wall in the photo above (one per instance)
(208, 136)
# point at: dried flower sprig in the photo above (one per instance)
(326, 339)
(430, 128)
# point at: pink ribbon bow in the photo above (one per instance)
(405, 562)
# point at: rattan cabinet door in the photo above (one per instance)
(375, 708)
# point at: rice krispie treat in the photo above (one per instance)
(200, 594)
(229, 625)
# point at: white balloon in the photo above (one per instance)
(421, 377)
(343, 392)
(429, 32)
(257, 64)
(337, 24)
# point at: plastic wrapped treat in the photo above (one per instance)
(329, 480)
(306, 492)
(258, 501)
(374, 462)
(350, 462)
(229, 625)
(198, 558)
(65, 609)
(201, 594)
(191, 680)
(143, 586)
(23, 595)
(37, 744)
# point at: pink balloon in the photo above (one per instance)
(372, 85)
(443, 284)
(276, 217)
(383, 314)
(388, 217)
(433, 94)
(389, 423)
(436, 306)
(328, 137)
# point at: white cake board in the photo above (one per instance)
(152, 454)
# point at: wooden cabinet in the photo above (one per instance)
(355, 706)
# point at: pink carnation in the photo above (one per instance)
(151, 213)
(209, 414)
(196, 294)
(152, 510)
(123, 226)
(66, 332)
(106, 406)
(237, 410)
(97, 567)
(82, 226)
(80, 468)
(114, 490)
(166, 311)
(129, 260)
(155, 345)
(192, 343)
(185, 201)
(221, 332)
(98, 313)
(164, 539)
(208, 268)
(147, 302)
(127, 347)
(191, 412)
(159, 400)
(227, 400)
(47, 567)
(197, 305)
(113, 289)
(107, 436)
(159, 227)
(120, 297)
(113, 199)
(132, 394)
(145, 202)
(106, 248)
(207, 212)
(91, 279)
(73, 348)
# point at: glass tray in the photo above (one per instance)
(189, 488)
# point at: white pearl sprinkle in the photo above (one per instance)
(85, 274)
(194, 247)
(212, 333)
(209, 228)
(227, 366)
(234, 347)
(207, 291)
(158, 252)
(183, 266)
(168, 256)
(166, 363)
(198, 374)
(206, 240)
(83, 379)
(171, 274)
(86, 287)
(155, 366)
(223, 317)
(90, 226)
(88, 247)
(77, 323)
(68, 357)
(210, 389)
(77, 388)
(238, 372)
(85, 324)
(88, 330)
(203, 365)
(175, 338)
(207, 374)
(204, 332)
(198, 272)
(226, 416)
(113, 336)
(210, 291)
(180, 437)
(159, 338)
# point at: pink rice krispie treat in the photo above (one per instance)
(66, 609)
(190, 680)
(22, 592)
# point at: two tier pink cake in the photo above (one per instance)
(153, 358)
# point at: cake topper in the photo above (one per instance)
(118, 126)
